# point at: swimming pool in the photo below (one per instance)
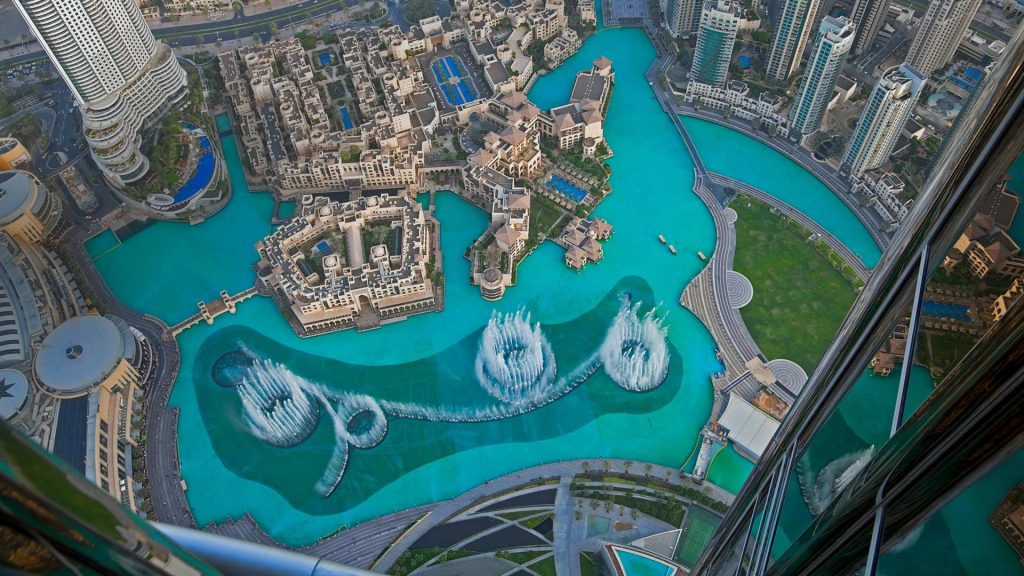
(566, 188)
(446, 70)
(346, 119)
(948, 311)
(325, 58)
(634, 564)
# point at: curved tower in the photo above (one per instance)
(122, 77)
(835, 37)
(886, 113)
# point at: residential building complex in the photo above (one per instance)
(792, 30)
(719, 22)
(868, 16)
(939, 34)
(765, 110)
(886, 112)
(338, 265)
(122, 78)
(682, 17)
(835, 38)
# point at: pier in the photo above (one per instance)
(208, 311)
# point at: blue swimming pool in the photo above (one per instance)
(325, 58)
(634, 564)
(456, 89)
(949, 311)
(743, 61)
(204, 170)
(566, 188)
(346, 119)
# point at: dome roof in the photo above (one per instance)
(17, 193)
(13, 392)
(78, 355)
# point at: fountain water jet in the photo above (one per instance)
(514, 362)
(276, 404)
(634, 352)
(821, 490)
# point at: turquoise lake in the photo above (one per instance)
(652, 181)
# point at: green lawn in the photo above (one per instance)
(545, 567)
(413, 559)
(589, 564)
(799, 298)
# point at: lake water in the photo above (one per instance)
(167, 268)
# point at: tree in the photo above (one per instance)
(586, 467)
(647, 469)
(273, 29)
(627, 465)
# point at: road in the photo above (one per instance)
(240, 26)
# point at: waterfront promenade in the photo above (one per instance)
(160, 448)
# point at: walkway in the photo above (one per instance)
(160, 449)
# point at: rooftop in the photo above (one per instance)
(17, 192)
(78, 355)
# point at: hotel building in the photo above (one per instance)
(792, 31)
(939, 34)
(835, 38)
(338, 265)
(888, 108)
(121, 77)
(719, 22)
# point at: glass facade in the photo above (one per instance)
(903, 455)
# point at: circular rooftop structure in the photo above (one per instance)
(17, 193)
(13, 392)
(78, 355)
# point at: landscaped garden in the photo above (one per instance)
(800, 298)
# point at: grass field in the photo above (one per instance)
(697, 529)
(799, 298)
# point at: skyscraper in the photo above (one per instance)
(868, 16)
(791, 33)
(715, 40)
(886, 113)
(835, 38)
(940, 32)
(122, 78)
(682, 16)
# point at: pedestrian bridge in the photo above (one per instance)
(208, 311)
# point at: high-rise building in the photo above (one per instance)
(122, 78)
(868, 16)
(886, 113)
(682, 17)
(835, 38)
(792, 30)
(940, 32)
(719, 22)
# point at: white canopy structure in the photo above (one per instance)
(750, 428)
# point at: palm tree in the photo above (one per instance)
(647, 469)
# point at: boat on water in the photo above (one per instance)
(671, 248)
(702, 257)
(661, 238)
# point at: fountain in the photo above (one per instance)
(515, 365)
(514, 362)
(634, 352)
(276, 404)
(820, 491)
